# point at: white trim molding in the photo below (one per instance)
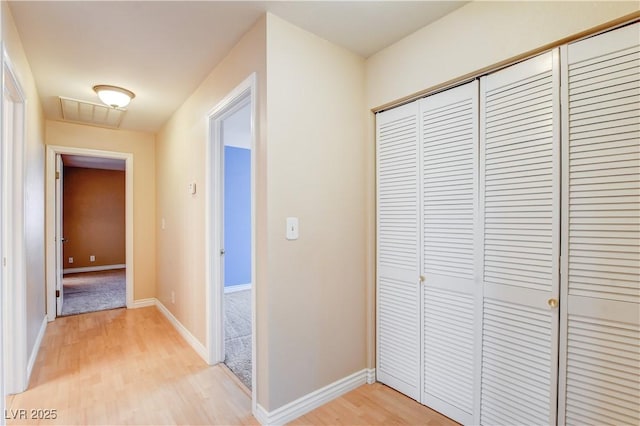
(36, 348)
(50, 240)
(245, 92)
(14, 289)
(186, 334)
(313, 400)
(236, 288)
(93, 268)
(371, 376)
(144, 303)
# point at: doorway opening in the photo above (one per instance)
(235, 132)
(231, 233)
(89, 217)
(91, 198)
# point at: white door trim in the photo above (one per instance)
(59, 203)
(213, 221)
(14, 297)
(3, 215)
(50, 178)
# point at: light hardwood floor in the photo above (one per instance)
(374, 404)
(132, 367)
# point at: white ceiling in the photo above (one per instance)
(162, 50)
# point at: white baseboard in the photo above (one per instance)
(238, 287)
(143, 303)
(93, 268)
(261, 415)
(36, 348)
(313, 400)
(371, 376)
(186, 334)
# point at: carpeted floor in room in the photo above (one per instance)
(237, 331)
(93, 291)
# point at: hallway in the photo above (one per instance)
(127, 367)
(130, 366)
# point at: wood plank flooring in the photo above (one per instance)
(132, 367)
(371, 405)
(127, 367)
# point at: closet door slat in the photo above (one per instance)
(600, 345)
(520, 179)
(398, 259)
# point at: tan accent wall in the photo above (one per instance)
(142, 146)
(33, 179)
(316, 166)
(93, 217)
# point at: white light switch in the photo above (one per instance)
(192, 188)
(292, 228)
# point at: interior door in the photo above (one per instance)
(520, 196)
(59, 237)
(600, 353)
(449, 162)
(398, 289)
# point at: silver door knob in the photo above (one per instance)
(221, 252)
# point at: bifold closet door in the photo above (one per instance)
(600, 345)
(520, 200)
(449, 162)
(398, 288)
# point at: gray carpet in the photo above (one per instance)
(93, 291)
(237, 334)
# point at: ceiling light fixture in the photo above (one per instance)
(115, 97)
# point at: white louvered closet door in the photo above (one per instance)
(398, 289)
(449, 215)
(600, 345)
(520, 200)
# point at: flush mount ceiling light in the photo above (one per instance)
(115, 97)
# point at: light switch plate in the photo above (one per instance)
(292, 228)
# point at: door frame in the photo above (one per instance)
(245, 91)
(59, 203)
(14, 319)
(50, 218)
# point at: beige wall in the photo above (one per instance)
(142, 146)
(33, 180)
(316, 171)
(180, 159)
(93, 217)
(478, 35)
